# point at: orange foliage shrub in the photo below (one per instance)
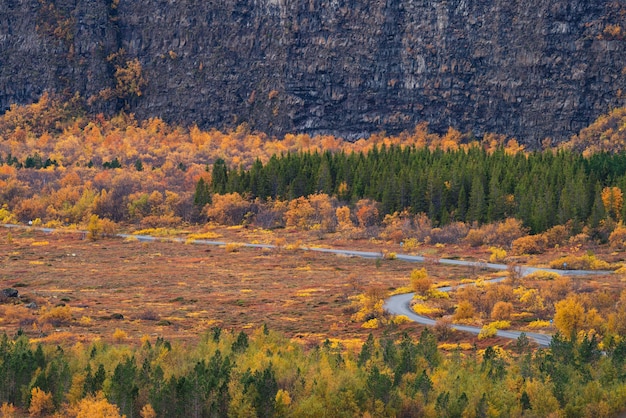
(300, 213)
(531, 244)
(571, 316)
(41, 403)
(95, 406)
(56, 315)
(613, 200)
(502, 311)
(343, 217)
(367, 213)
(228, 209)
(148, 411)
(617, 239)
(324, 211)
(7, 410)
(30, 209)
(420, 282)
(398, 225)
(557, 235)
(499, 233)
(464, 311)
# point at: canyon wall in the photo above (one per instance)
(531, 69)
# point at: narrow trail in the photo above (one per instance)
(397, 304)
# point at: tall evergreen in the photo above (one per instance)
(476, 210)
(219, 176)
(540, 188)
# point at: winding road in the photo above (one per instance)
(397, 304)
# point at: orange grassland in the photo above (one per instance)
(122, 290)
(179, 291)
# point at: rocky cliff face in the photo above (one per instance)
(531, 69)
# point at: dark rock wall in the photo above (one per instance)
(530, 69)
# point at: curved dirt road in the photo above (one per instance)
(400, 304)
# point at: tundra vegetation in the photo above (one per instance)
(110, 326)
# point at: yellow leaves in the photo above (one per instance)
(147, 411)
(343, 218)
(497, 254)
(94, 229)
(401, 319)
(453, 347)
(502, 310)
(96, 406)
(7, 410)
(617, 239)
(129, 79)
(233, 247)
(76, 389)
(410, 244)
(531, 299)
(307, 212)
(41, 403)
(119, 335)
(571, 316)
(464, 311)
(542, 400)
(422, 309)
(487, 331)
(613, 200)
(55, 315)
(501, 324)
(420, 282)
(283, 402)
(6, 217)
(538, 324)
(584, 262)
(370, 304)
(371, 324)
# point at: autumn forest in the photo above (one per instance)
(450, 195)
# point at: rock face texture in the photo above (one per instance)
(530, 69)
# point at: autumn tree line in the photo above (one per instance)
(470, 185)
(266, 375)
(59, 165)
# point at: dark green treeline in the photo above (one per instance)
(542, 188)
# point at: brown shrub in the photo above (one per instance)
(449, 234)
(508, 231)
(422, 226)
(159, 221)
(420, 282)
(271, 214)
(502, 311)
(617, 239)
(475, 238)
(501, 233)
(443, 329)
(556, 235)
(229, 209)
